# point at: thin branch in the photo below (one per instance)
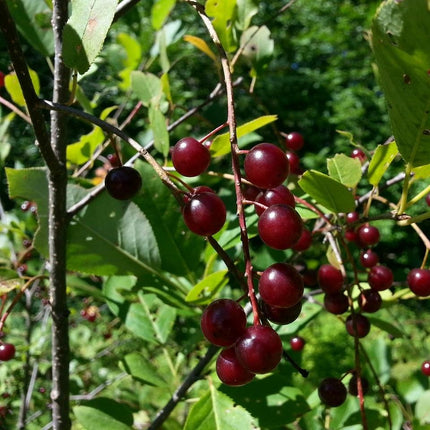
(14, 109)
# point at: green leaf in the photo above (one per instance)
(327, 192)
(387, 327)
(400, 42)
(344, 169)
(140, 368)
(104, 413)
(257, 45)
(150, 319)
(14, 89)
(422, 172)
(85, 32)
(422, 410)
(147, 87)
(381, 160)
(33, 19)
(160, 11)
(204, 291)
(216, 411)
(246, 9)
(132, 48)
(221, 144)
(115, 290)
(159, 130)
(223, 14)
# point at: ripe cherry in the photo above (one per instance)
(361, 328)
(114, 160)
(7, 351)
(369, 258)
(353, 385)
(294, 161)
(304, 242)
(419, 282)
(367, 235)
(190, 157)
(223, 322)
(230, 371)
(123, 183)
(294, 141)
(330, 279)
(352, 217)
(380, 277)
(350, 235)
(332, 392)
(279, 195)
(359, 155)
(2, 75)
(428, 199)
(370, 301)
(297, 343)
(259, 349)
(281, 315)
(425, 368)
(266, 166)
(281, 285)
(250, 192)
(280, 226)
(336, 303)
(204, 213)
(310, 277)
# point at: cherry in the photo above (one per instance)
(336, 303)
(223, 322)
(2, 75)
(380, 277)
(294, 141)
(332, 392)
(310, 277)
(204, 213)
(297, 343)
(190, 157)
(259, 349)
(304, 242)
(250, 192)
(350, 235)
(353, 385)
(428, 199)
(419, 282)
(369, 258)
(123, 183)
(352, 217)
(266, 166)
(359, 155)
(361, 327)
(7, 351)
(370, 301)
(367, 235)
(425, 368)
(280, 226)
(330, 279)
(294, 161)
(202, 189)
(281, 315)
(281, 285)
(229, 369)
(279, 195)
(114, 160)
(25, 206)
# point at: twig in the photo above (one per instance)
(14, 109)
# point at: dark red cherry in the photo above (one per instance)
(332, 392)
(294, 161)
(190, 157)
(369, 258)
(336, 303)
(294, 141)
(419, 282)
(279, 195)
(359, 155)
(330, 279)
(230, 371)
(353, 385)
(380, 277)
(369, 301)
(297, 343)
(425, 368)
(281, 315)
(367, 235)
(7, 351)
(304, 242)
(358, 325)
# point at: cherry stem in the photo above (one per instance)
(214, 131)
(303, 372)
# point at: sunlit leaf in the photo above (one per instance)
(344, 169)
(201, 45)
(160, 11)
(14, 89)
(381, 160)
(204, 291)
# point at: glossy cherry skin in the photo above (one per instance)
(369, 258)
(359, 155)
(332, 392)
(361, 327)
(223, 322)
(279, 195)
(189, 157)
(419, 282)
(352, 217)
(204, 213)
(123, 183)
(7, 351)
(297, 343)
(425, 368)
(266, 166)
(428, 199)
(230, 371)
(280, 226)
(330, 279)
(294, 141)
(281, 285)
(304, 242)
(294, 161)
(380, 277)
(370, 301)
(353, 385)
(336, 303)
(281, 315)
(259, 349)
(367, 235)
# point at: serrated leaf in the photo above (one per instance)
(217, 411)
(140, 368)
(327, 192)
(403, 62)
(344, 169)
(104, 413)
(85, 32)
(381, 160)
(204, 291)
(150, 319)
(12, 86)
(147, 87)
(159, 130)
(201, 45)
(221, 144)
(33, 19)
(160, 11)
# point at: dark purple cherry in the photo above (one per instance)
(332, 392)
(123, 183)
(230, 371)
